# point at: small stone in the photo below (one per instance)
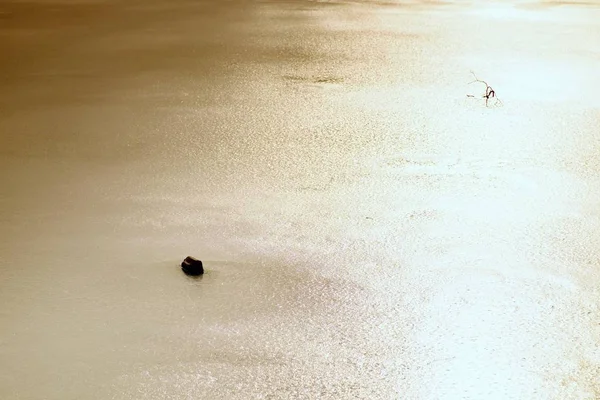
(192, 266)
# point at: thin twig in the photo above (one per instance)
(489, 91)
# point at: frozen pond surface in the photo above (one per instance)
(368, 230)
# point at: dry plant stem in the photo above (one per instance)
(489, 91)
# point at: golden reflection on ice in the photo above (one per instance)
(368, 229)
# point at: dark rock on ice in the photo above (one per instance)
(192, 266)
